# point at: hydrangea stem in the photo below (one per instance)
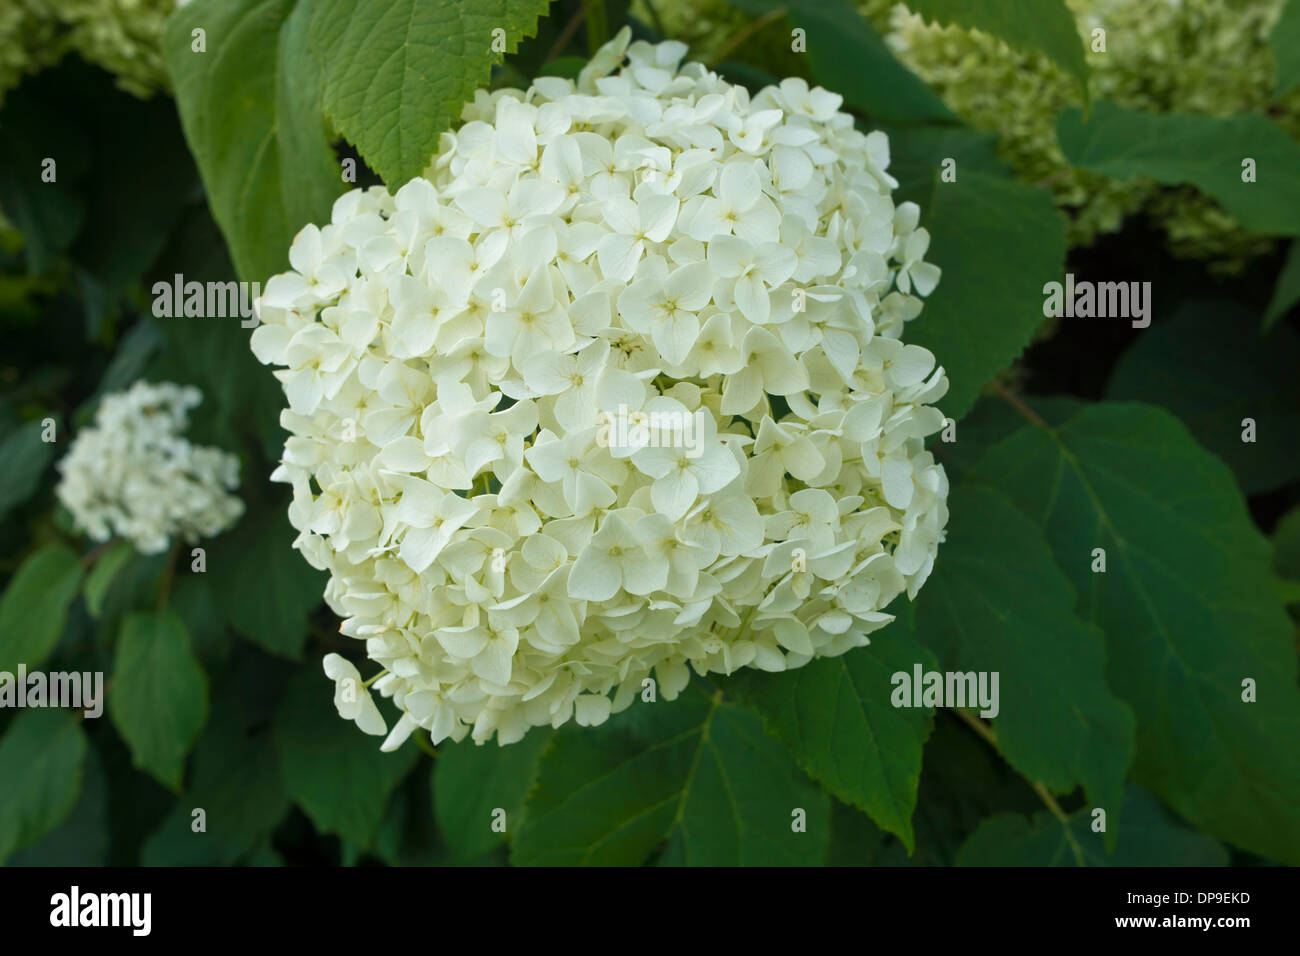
(743, 34)
(1043, 793)
(597, 25)
(168, 575)
(1014, 400)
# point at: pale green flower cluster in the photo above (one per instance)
(121, 36)
(1207, 57)
(617, 388)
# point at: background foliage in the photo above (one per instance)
(1120, 690)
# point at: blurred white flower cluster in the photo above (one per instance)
(616, 388)
(134, 475)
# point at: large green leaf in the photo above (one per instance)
(159, 695)
(1285, 40)
(1187, 606)
(996, 240)
(1205, 151)
(398, 72)
(1148, 837)
(337, 774)
(250, 107)
(1034, 26)
(998, 603)
(41, 756)
(471, 782)
(836, 715)
(1214, 389)
(698, 773)
(35, 605)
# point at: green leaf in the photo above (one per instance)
(1148, 837)
(697, 772)
(159, 698)
(1285, 41)
(397, 74)
(836, 715)
(847, 56)
(991, 420)
(41, 756)
(996, 240)
(270, 588)
(26, 457)
(250, 108)
(1187, 607)
(408, 836)
(102, 574)
(236, 780)
(997, 603)
(35, 605)
(963, 780)
(471, 782)
(337, 774)
(855, 840)
(1287, 291)
(196, 599)
(1214, 389)
(1032, 26)
(135, 587)
(82, 838)
(1205, 151)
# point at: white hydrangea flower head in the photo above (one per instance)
(134, 475)
(616, 389)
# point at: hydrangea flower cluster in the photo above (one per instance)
(136, 476)
(616, 388)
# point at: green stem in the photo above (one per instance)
(566, 34)
(168, 576)
(1014, 400)
(597, 25)
(94, 554)
(744, 33)
(985, 731)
